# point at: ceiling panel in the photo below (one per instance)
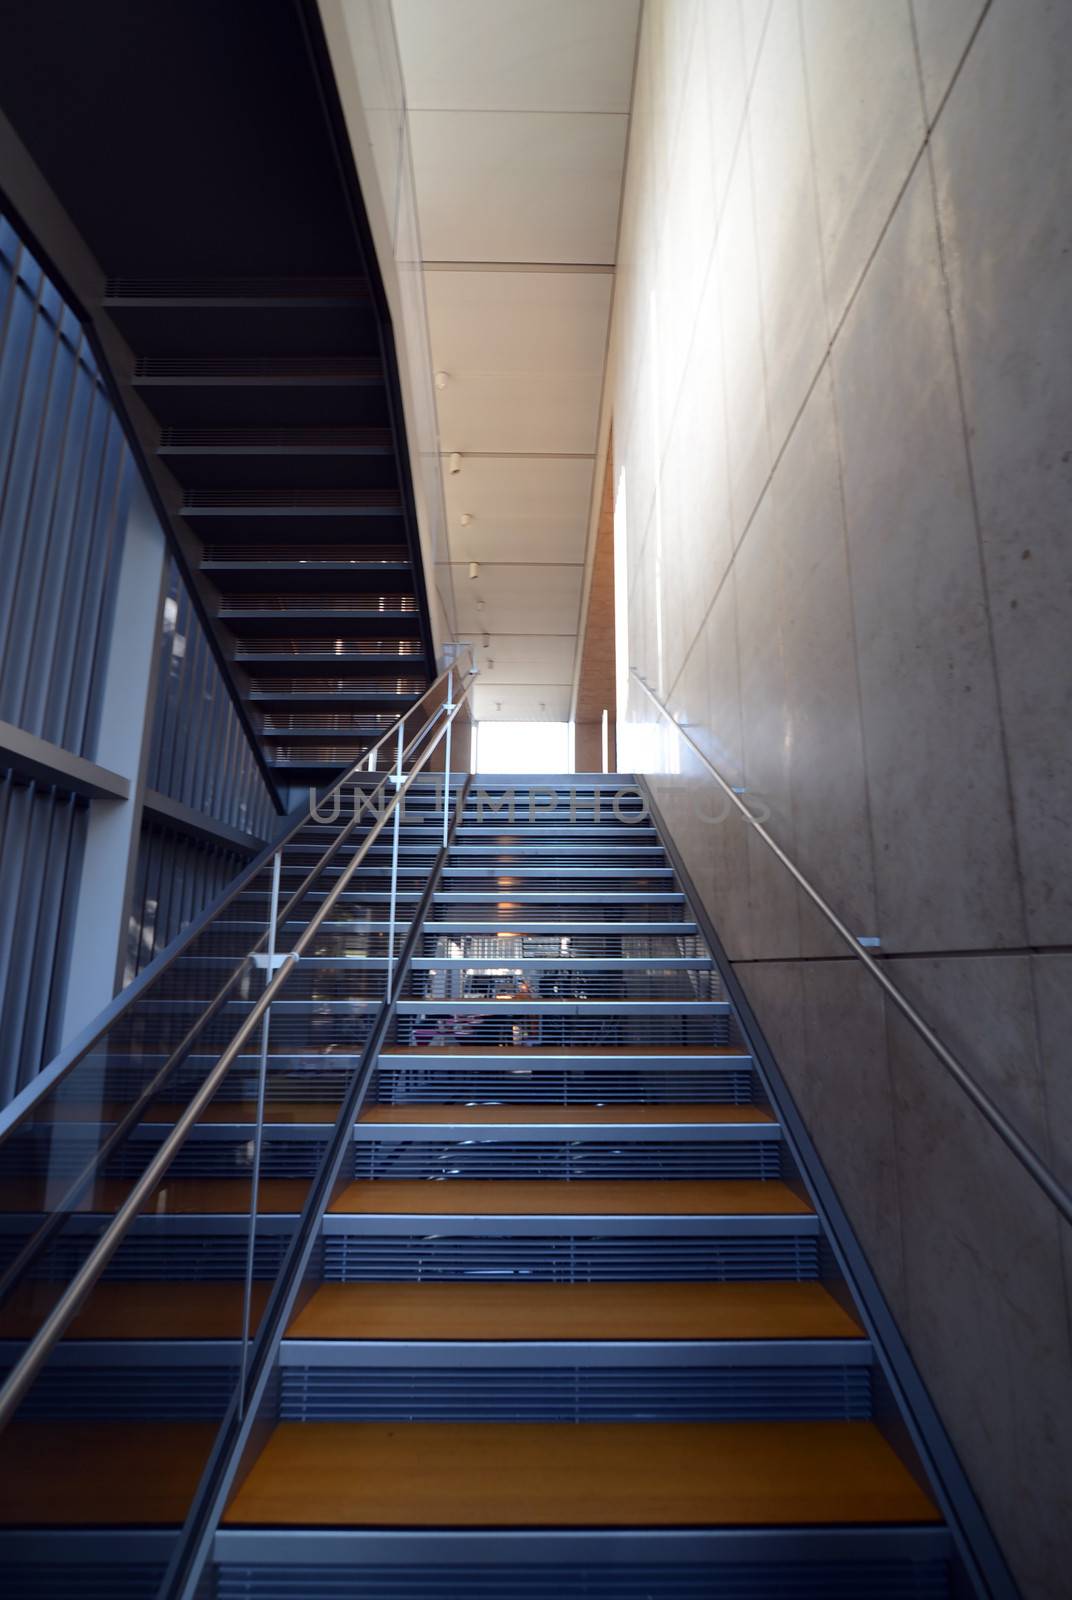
(518, 186)
(525, 658)
(523, 322)
(515, 416)
(521, 703)
(555, 55)
(520, 507)
(522, 354)
(518, 599)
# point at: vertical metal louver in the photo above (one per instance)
(65, 481)
(176, 877)
(199, 752)
(42, 835)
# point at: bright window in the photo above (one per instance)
(523, 747)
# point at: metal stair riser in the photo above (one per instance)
(457, 1382)
(702, 1082)
(167, 1250)
(600, 1578)
(558, 1255)
(577, 1394)
(585, 1029)
(574, 1160)
(524, 1076)
(551, 1153)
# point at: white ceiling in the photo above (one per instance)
(518, 114)
(517, 55)
(522, 508)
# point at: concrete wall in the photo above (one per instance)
(841, 399)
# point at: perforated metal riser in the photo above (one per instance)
(563, 1086)
(490, 813)
(554, 1160)
(349, 911)
(492, 855)
(310, 1079)
(560, 981)
(888, 1579)
(576, 1394)
(306, 1029)
(362, 900)
(182, 1393)
(507, 908)
(565, 947)
(217, 1158)
(578, 815)
(436, 1079)
(536, 1031)
(412, 872)
(130, 1394)
(581, 881)
(352, 1258)
(87, 1580)
(157, 1258)
(563, 1160)
(310, 982)
(203, 1158)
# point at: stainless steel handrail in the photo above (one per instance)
(988, 1108)
(242, 1418)
(67, 1306)
(79, 1047)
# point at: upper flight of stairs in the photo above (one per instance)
(270, 401)
(190, 184)
(575, 1326)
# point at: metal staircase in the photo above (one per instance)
(548, 1299)
(278, 436)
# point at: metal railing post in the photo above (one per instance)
(397, 780)
(446, 754)
(258, 1132)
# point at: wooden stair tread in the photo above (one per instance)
(723, 1474)
(175, 1196)
(554, 1115)
(81, 1474)
(138, 1311)
(312, 1111)
(493, 1197)
(573, 1311)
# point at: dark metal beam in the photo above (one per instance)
(40, 762)
(161, 808)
